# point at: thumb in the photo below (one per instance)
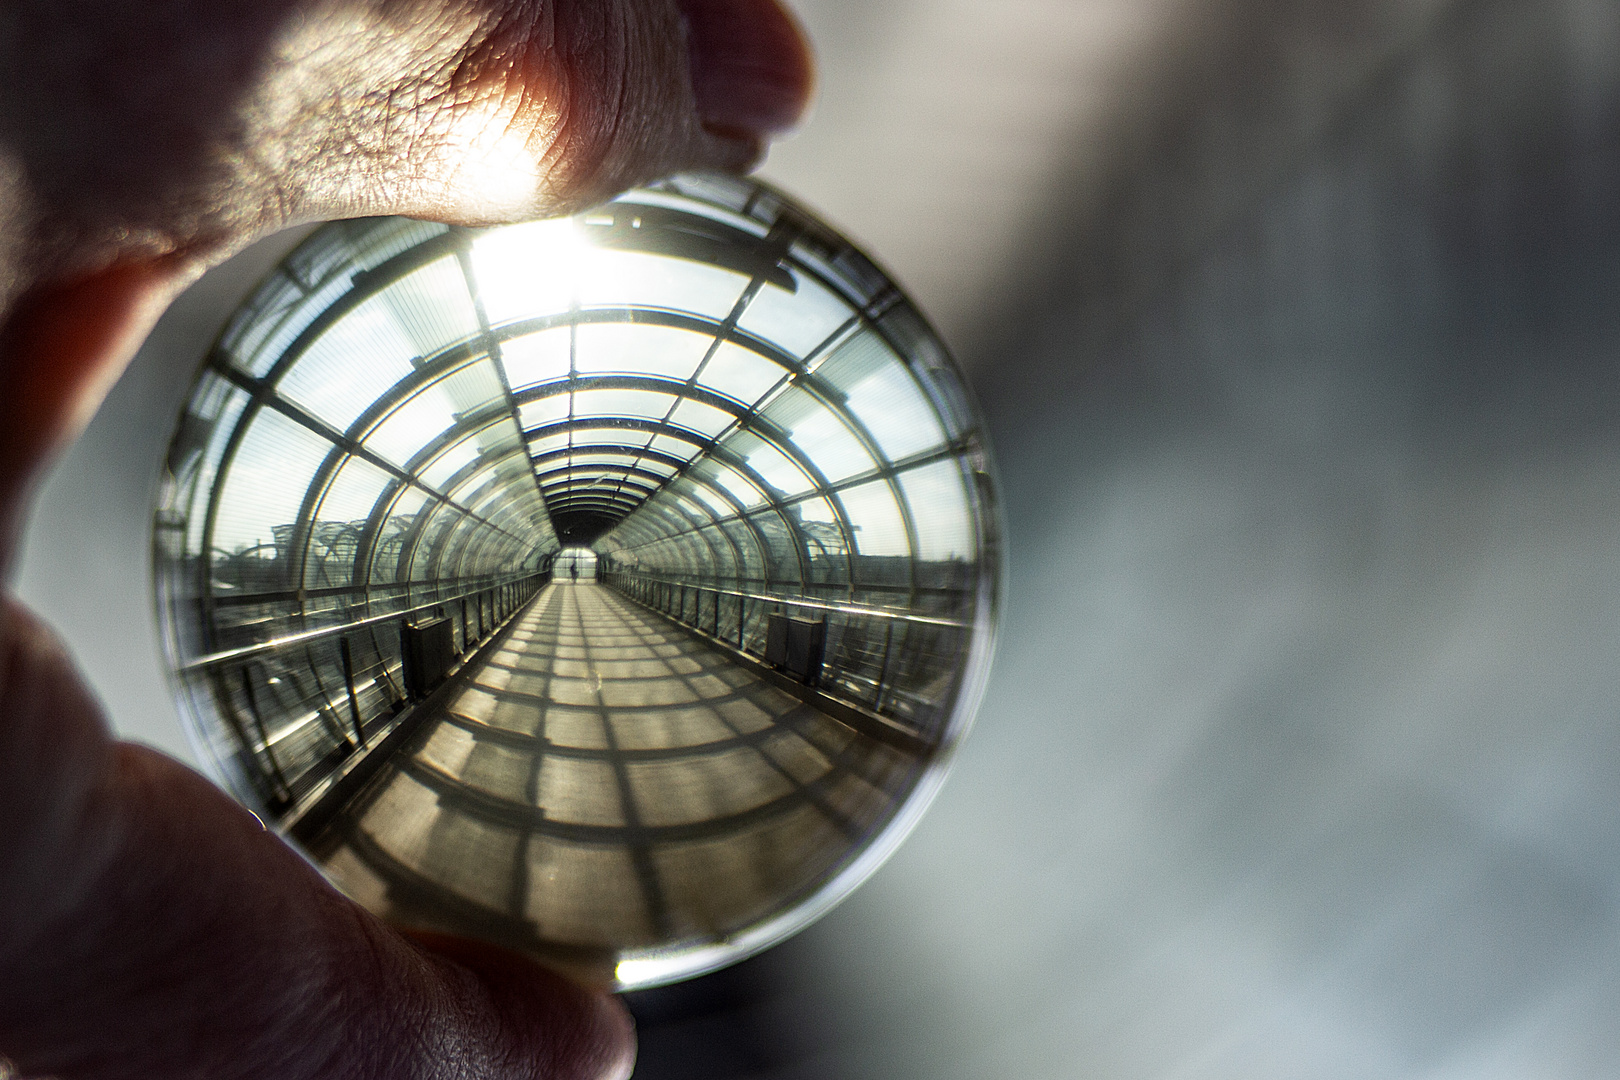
(532, 108)
(131, 181)
(151, 927)
(145, 129)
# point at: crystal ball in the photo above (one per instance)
(613, 588)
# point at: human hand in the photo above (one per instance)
(148, 925)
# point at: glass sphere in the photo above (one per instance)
(613, 588)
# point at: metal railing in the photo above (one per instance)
(295, 707)
(901, 665)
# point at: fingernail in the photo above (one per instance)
(751, 67)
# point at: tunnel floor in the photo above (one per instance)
(607, 780)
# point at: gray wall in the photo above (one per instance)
(1301, 755)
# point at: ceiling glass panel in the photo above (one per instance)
(773, 466)
(220, 406)
(710, 498)
(548, 443)
(799, 321)
(432, 305)
(408, 502)
(470, 488)
(372, 347)
(825, 439)
(546, 410)
(815, 510)
(882, 394)
(740, 374)
(339, 377)
(473, 388)
(525, 271)
(738, 486)
(622, 278)
(638, 404)
(674, 447)
(412, 426)
(285, 310)
(696, 416)
(691, 508)
(597, 435)
(447, 464)
(592, 460)
(537, 358)
(640, 348)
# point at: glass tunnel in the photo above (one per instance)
(606, 586)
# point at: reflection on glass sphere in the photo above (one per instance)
(612, 587)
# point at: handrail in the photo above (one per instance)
(211, 659)
(820, 605)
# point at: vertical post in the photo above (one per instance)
(264, 736)
(348, 681)
(883, 670)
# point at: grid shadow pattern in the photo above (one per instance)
(606, 782)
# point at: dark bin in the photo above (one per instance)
(795, 645)
(427, 648)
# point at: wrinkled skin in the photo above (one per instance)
(149, 927)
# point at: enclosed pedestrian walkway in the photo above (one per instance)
(681, 494)
(605, 779)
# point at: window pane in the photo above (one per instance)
(668, 444)
(547, 410)
(939, 508)
(716, 504)
(449, 463)
(778, 470)
(412, 426)
(230, 407)
(875, 519)
(548, 444)
(734, 483)
(775, 467)
(353, 493)
(266, 484)
(372, 347)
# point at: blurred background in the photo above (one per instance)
(1298, 329)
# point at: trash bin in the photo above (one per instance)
(794, 644)
(427, 649)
